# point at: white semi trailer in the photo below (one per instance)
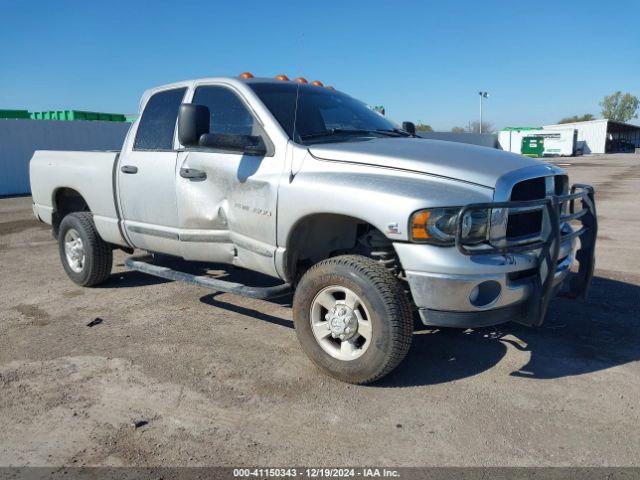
(557, 142)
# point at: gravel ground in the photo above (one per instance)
(221, 380)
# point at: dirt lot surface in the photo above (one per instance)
(221, 380)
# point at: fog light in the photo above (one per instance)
(485, 293)
(473, 296)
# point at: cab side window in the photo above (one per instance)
(158, 121)
(228, 114)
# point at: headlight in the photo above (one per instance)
(438, 226)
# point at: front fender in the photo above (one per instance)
(382, 197)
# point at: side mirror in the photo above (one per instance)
(250, 144)
(409, 127)
(193, 122)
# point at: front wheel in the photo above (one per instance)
(86, 258)
(352, 318)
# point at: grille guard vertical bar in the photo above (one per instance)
(549, 247)
(579, 285)
(547, 261)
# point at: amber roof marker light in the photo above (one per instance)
(246, 75)
(301, 80)
(330, 87)
(317, 83)
(282, 77)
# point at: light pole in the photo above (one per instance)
(482, 95)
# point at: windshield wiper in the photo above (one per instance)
(395, 132)
(337, 131)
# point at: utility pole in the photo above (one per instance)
(482, 95)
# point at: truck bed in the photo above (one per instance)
(90, 174)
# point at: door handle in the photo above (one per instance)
(192, 174)
(128, 169)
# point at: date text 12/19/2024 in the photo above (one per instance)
(315, 473)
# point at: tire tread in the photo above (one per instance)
(398, 309)
(102, 254)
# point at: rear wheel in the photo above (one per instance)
(352, 318)
(86, 258)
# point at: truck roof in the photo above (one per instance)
(216, 79)
(224, 79)
(191, 82)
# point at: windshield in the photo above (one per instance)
(323, 115)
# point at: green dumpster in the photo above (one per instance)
(532, 146)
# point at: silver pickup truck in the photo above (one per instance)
(369, 225)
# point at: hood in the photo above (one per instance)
(458, 161)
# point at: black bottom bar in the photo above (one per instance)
(478, 319)
(136, 263)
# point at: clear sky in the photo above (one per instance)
(423, 60)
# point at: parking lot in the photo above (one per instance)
(221, 380)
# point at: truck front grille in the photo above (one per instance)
(561, 184)
(526, 224)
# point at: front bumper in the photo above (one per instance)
(508, 280)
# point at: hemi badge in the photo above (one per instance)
(392, 228)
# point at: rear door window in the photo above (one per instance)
(158, 123)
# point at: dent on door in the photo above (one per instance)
(229, 216)
(202, 211)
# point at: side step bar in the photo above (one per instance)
(136, 263)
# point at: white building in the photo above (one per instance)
(603, 136)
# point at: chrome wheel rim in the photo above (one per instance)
(341, 323)
(74, 250)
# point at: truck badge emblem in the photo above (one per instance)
(392, 228)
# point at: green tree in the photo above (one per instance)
(422, 127)
(619, 107)
(577, 118)
(457, 130)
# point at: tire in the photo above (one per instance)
(86, 258)
(379, 310)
